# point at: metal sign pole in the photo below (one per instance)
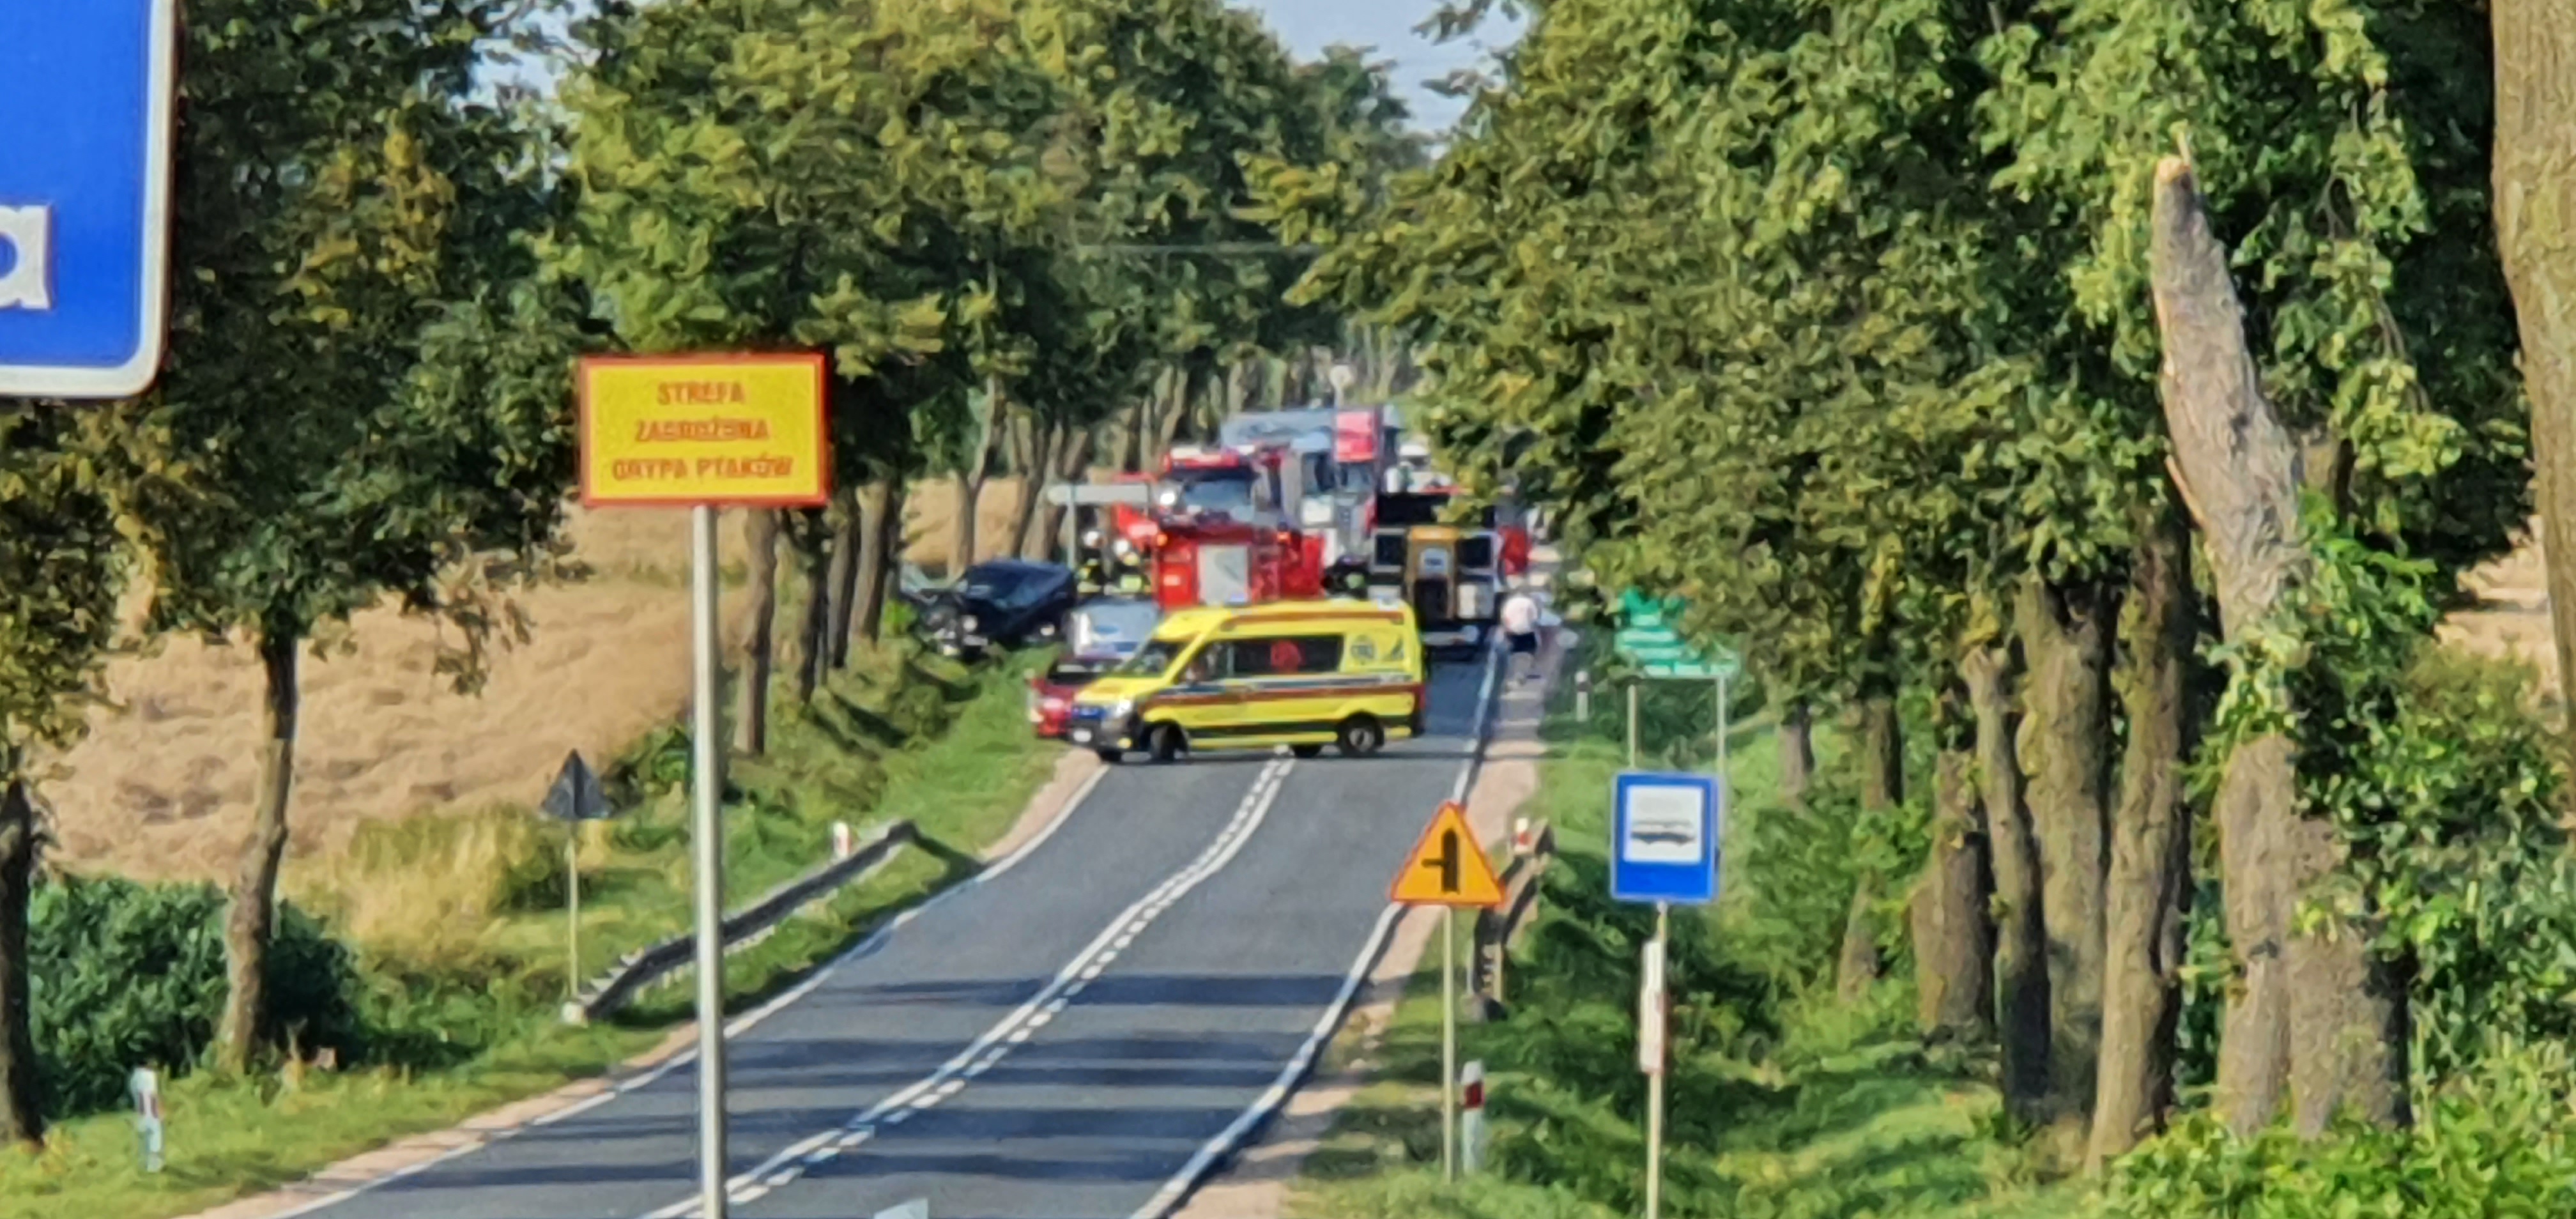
(1633, 683)
(1654, 1014)
(1721, 736)
(572, 913)
(705, 753)
(1449, 1044)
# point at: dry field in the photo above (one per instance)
(162, 785)
(2513, 618)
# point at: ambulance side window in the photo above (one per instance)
(1279, 656)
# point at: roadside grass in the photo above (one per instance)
(1781, 1103)
(464, 958)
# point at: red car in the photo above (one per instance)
(1051, 693)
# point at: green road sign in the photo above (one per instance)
(1648, 640)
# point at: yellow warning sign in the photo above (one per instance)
(723, 429)
(1448, 867)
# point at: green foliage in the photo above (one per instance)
(130, 975)
(354, 432)
(2496, 1142)
(2435, 769)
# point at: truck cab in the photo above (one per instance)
(1450, 576)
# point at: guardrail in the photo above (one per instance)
(1533, 848)
(742, 928)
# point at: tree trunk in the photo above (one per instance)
(1882, 788)
(965, 523)
(814, 626)
(849, 533)
(2308, 1011)
(20, 1120)
(2021, 934)
(1953, 938)
(1026, 540)
(251, 916)
(2150, 875)
(2535, 208)
(760, 650)
(1181, 388)
(880, 544)
(1797, 753)
(1072, 467)
(2065, 755)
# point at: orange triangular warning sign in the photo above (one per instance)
(1448, 867)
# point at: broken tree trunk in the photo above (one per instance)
(2309, 1011)
(2150, 846)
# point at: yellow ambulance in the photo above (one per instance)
(1305, 674)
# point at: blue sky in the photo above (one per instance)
(1386, 26)
(1308, 26)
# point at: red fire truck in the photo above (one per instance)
(1219, 535)
(1215, 560)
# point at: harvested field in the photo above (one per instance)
(162, 786)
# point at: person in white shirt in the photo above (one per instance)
(1520, 631)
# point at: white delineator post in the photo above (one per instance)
(706, 797)
(146, 1088)
(843, 842)
(1650, 1057)
(1471, 1109)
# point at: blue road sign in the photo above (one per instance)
(85, 89)
(1666, 828)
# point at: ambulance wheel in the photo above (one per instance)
(1359, 736)
(1111, 756)
(1166, 742)
(1307, 751)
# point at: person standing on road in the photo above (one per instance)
(1520, 630)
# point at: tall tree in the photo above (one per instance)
(334, 189)
(66, 490)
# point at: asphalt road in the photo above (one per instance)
(1075, 1034)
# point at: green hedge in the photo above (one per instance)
(129, 975)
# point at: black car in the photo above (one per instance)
(1006, 603)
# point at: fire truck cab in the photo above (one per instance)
(1221, 561)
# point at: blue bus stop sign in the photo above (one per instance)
(85, 89)
(1664, 845)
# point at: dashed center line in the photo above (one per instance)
(1015, 1029)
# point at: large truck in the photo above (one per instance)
(1452, 575)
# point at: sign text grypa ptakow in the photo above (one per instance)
(741, 430)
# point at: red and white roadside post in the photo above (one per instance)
(1471, 1117)
(1652, 1007)
(843, 842)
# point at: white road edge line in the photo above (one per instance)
(928, 1091)
(733, 1028)
(1229, 1140)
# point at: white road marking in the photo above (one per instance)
(791, 1163)
(1169, 1197)
(733, 1028)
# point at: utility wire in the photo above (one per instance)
(1211, 247)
